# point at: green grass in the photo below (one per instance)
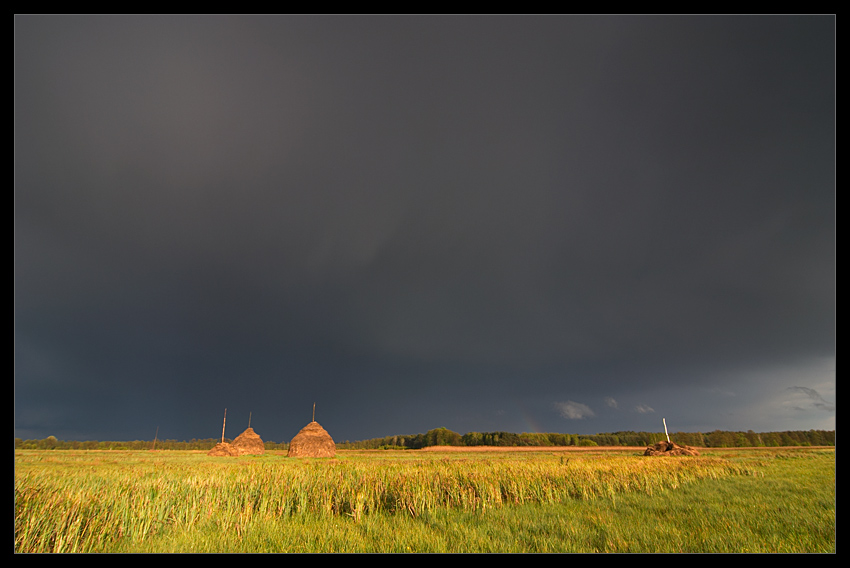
(754, 501)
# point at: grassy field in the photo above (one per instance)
(604, 500)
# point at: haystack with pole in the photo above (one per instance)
(663, 448)
(224, 448)
(669, 448)
(249, 442)
(312, 441)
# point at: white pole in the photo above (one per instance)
(665, 429)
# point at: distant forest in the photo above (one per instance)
(716, 439)
(445, 437)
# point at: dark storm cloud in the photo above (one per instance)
(434, 216)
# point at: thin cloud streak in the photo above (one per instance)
(815, 396)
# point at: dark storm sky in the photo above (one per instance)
(553, 224)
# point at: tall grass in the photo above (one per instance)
(78, 501)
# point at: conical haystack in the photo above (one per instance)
(312, 441)
(249, 442)
(225, 449)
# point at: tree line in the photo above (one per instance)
(446, 437)
(715, 439)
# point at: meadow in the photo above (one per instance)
(607, 500)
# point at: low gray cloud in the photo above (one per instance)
(611, 402)
(644, 409)
(574, 410)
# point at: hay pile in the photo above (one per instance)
(249, 442)
(312, 442)
(670, 449)
(225, 449)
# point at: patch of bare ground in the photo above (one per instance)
(533, 449)
(775, 448)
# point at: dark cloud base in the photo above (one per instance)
(422, 222)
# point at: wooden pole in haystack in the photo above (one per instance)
(314, 412)
(249, 420)
(222, 425)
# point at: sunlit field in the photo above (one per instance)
(754, 500)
